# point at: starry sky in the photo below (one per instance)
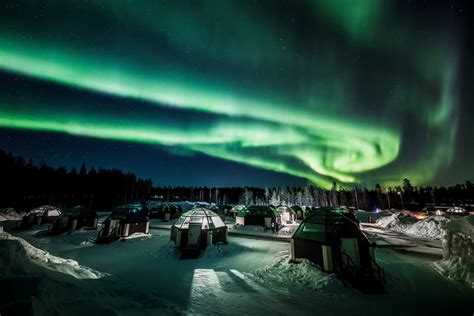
(227, 93)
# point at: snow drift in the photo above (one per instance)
(458, 251)
(430, 227)
(48, 261)
(304, 274)
(9, 214)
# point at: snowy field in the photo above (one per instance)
(143, 276)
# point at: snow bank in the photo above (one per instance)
(429, 227)
(9, 214)
(397, 221)
(248, 228)
(304, 274)
(46, 260)
(137, 235)
(458, 248)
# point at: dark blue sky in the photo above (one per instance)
(227, 93)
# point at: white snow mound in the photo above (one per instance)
(429, 227)
(304, 274)
(9, 214)
(46, 260)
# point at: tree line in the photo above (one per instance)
(404, 196)
(25, 185)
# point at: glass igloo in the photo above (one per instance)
(198, 228)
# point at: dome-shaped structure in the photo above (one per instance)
(166, 211)
(75, 218)
(334, 241)
(258, 215)
(124, 221)
(40, 215)
(198, 228)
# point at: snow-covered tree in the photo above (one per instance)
(307, 197)
(274, 199)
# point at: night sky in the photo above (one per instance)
(242, 92)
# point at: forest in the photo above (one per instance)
(25, 185)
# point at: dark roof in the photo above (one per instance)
(297, 208)
(257, 210)
(328, 225)
(167, 207)
(131, 213)
(80, 211)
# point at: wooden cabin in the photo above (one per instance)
(334, 242)
(123, 222)
(45, 214)
(78, 217)
(198, 228)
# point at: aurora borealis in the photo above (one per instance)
(350, 91)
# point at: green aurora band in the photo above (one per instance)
(316, 131)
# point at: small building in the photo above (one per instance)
(334, 242)
(298, 212)
(45, 214)
(123, 222)
(166, 212)
(78, 217)
(198, 228)
(287, 214)
(258, 215)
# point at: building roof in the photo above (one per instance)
(258, 210)
(131, 213)
(237, 208)
(45, 210)
(167, 207)
(80, 211)
(203, 216)
(328, 225)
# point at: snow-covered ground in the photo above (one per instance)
(247, 276)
